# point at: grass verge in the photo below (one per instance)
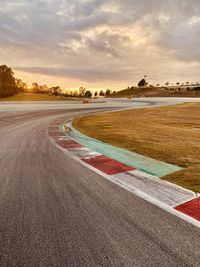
(170, 134)
(36, 97)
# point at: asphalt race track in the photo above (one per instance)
(56, 212)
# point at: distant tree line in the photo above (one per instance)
(9, 85)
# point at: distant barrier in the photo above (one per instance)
(86, 102)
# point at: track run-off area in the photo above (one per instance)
(55, 211)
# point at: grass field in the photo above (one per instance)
(170, 134)
(36, 97)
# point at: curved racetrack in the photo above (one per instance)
(56, 212)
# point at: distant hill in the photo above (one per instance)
(154, 92)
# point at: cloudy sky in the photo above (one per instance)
(101, 43)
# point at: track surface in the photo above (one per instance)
(55, 212)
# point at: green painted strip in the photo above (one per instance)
(140, 162)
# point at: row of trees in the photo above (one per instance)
(144, 83)
(9, 85)
(178, 83)
(57, 91)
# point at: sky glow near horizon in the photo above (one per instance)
(99, 43)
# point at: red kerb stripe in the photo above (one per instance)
(108, 165)
(191, 208)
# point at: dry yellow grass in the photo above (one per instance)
(170, 134)
(36, 97)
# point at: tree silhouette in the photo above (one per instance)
(82, 91)
(21, 85)
(88, 94)
(8, 86)
(55, 90)
(102, 93)
(108, 92)
(142, 83)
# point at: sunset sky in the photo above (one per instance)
(101, 43)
